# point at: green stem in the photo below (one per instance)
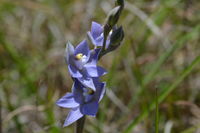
(104, 43)
(103, 49)
(80, 125)
(107, 29)
(157, 113)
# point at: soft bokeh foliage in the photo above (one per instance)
(161, 41)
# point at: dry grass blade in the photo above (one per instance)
(117, 101)
(21, 110)
(149, 22)
(144, 17)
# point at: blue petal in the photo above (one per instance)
(77, 90)
(95, 71)
(67, 101)
(91, 38)
(96, 29)
(100, 89)
(93, 57)
(74, 72)
(73, 116)
(101, 93)
(89, 97)
(79, 64)
(83, 48)
(90, 108)
(99, 41)
(87, 82)
(69, 51)
(107, 43)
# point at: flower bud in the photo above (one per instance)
(113, 16)
(120, 3)
(116, 37)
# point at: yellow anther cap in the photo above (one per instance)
(79, 56)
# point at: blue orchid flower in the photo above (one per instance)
(96, 35)
(82, 101)
(82, 63)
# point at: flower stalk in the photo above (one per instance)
(80, 125)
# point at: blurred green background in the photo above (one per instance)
(160, 51)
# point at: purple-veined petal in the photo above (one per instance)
(96, 29)
(69, 51)
(74, 72)
(90, 108)
(73, 116)
(67, 101)
(83, 48)
(95, 71)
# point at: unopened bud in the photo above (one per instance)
(116, 37)
(107, 29)
(120, 3)
(113, 16)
